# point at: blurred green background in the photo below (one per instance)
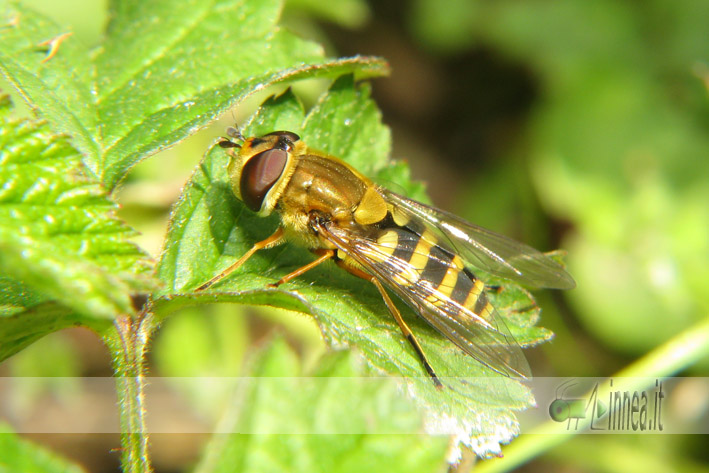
(576, 125)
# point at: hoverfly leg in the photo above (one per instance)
(527, 308)
(274, 240)
(324, 256)
(408, 334)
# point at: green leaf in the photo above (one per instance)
(64, 256)
(347, 123)
(210, 229)
(22, 455)
(21, 326)
(188, 63)
(60, 89)
(327, 422)
(396, 175)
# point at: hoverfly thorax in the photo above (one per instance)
(261, 169)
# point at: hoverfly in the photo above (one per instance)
(420, 253)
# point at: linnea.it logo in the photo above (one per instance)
(629, 411)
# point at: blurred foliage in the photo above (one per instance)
(616, 147)
(272, 432)
(347, 13)
(19, 455)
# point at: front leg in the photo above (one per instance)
(274, 240)
(324, 256)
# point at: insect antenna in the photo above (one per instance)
(227, 143)
(233, 135)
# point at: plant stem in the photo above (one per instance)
(676, 354)
(128, 345)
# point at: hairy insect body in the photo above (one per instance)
(340, 195)
(322, 187)
(420, 253)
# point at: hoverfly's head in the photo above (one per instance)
(261, 168)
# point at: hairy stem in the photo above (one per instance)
(128, 344)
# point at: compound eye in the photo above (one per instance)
(259, 175)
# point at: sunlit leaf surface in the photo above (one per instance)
(65, 258)
(188, 62)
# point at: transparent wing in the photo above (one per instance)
(487, 339)
(484, 249)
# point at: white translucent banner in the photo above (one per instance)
(319, 405)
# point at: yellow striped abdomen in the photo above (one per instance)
(414, 257)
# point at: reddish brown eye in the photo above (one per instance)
(260, 173)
